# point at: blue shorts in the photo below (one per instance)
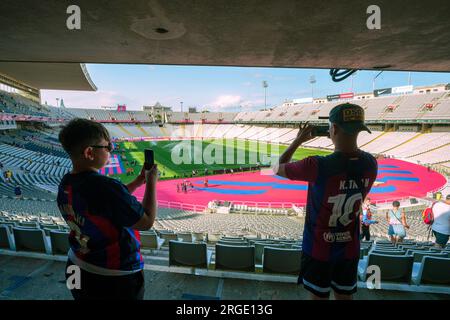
(391, 231)
(401, 233)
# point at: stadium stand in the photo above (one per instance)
(250, 241)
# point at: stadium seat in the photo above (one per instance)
(49, 227)
(5, 238)
(385, 242)
(433, 270)
(185, 236)
(393, 268)
(167, 237)
(198, 236)
(363, 252)
(389, 252)
(59, 241)
(189, 254)
(233, 243)
(415, 248)
(29, 239)
(235, 258)
(151, 240)
(259, 250)
(213, 237)
(28, 224)
(229, 238)
(10, 225)
(418, 255)
(278, 260)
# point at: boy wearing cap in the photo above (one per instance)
(337, 185)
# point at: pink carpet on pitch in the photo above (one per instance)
(396, 179)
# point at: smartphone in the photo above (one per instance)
(149, 159)
(321, 131)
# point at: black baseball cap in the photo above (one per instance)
(350, 117)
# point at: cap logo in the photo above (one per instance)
(353, 114)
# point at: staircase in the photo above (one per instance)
(437, 148)
(146, 134)
(376, 138)
(405, 142)
(124, 130)
(164, 131)
(199, 132)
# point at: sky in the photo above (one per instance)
(226, 89)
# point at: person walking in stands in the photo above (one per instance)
(396, 220)
(103, 216)
(337, 185)
(18, 192)
(441, 222)
(366, 220)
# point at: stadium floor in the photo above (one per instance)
(37, 279)
(396, 179)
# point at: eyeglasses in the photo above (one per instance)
(109, 147)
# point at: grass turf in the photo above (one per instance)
(169, 154)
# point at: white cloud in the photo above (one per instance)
(87, 99)
(233, 103)
(226, 101)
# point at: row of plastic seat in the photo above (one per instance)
(234, 258)
(432, 269)
(240, 208)
(153, 237)
(34, 240)
(402, 269)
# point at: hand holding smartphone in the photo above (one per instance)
(321, 131)
(149, 159)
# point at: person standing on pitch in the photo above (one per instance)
(337, 185)
(103, 216)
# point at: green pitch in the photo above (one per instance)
(198, 155)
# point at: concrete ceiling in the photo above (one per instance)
(414, 35)
(56, 76)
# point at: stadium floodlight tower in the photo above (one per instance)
(312, 80)
(265, 85)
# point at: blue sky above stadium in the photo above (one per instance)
(220, 88)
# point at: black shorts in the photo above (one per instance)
(441, 239)
(98, 287)
(319, 277)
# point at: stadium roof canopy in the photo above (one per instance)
(414, 35)
(57, 76)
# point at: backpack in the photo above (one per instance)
(428, 216)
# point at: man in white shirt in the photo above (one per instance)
(441, 223)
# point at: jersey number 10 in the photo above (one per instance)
(343, 208)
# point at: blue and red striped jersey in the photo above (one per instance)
(100, 211)
(337, 185)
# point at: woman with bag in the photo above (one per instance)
(396, 220)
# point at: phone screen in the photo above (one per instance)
(321, 131)
(149, 158)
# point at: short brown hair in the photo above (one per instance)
(81, 133)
